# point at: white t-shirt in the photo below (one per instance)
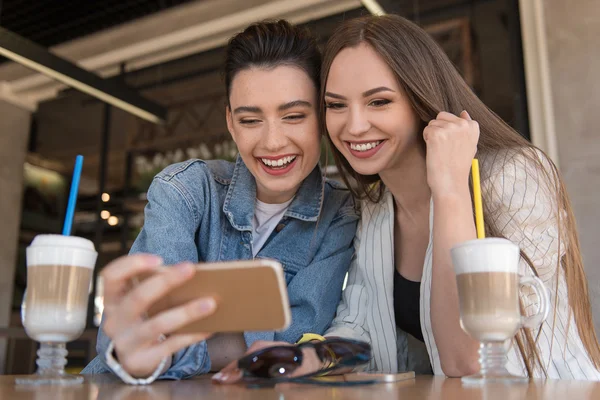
(266, 218)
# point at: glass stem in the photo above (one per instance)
(52, 358)
(492, 358)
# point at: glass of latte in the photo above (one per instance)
(487, 275)
(54, 309)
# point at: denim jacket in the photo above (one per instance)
(202, 211)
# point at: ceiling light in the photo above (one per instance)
(104, 214)
(36, 57)
(112, 220)
(105, 197)
(373, 7)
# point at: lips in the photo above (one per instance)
(364, 149)
(364, 146)
(278, 165)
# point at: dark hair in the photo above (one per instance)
(270, 44)
(432, 84)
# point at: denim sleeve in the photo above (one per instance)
(315, 291)
(171, 219)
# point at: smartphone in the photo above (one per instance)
(251, 296)
(384, 378)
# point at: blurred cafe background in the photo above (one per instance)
(144, 90)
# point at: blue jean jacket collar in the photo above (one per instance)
(239, 201)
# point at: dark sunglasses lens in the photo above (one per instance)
(272, 362)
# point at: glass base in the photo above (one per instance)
(492, 362)
(480, 379)
(51, 361)
(50, 379)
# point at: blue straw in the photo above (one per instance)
(73, 196)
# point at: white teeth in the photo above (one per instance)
(278, 163)
(364, 146)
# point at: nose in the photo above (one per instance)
(275, 138)
(358, 123)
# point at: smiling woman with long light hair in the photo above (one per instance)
(395, 112)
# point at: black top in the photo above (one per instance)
(406, 305)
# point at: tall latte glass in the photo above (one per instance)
(54, 309)
(488, 291)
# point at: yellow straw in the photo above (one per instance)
(477, 199)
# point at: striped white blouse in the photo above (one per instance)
(525, 215)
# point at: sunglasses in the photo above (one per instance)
(281, 361)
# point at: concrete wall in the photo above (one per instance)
(14, 135)
(572, 31)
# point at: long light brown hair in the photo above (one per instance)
(432, 84)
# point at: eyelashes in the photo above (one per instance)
(379, 102)
(373, 103)
(289, 118)
(335, 106)
(294, 117)
(248, 122)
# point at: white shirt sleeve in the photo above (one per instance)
(522, 203)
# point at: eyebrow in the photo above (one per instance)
(371, 92)
(248, 109)
(295, 103)
(368, 93)
(335, 96)
(282, 107)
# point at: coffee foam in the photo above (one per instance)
(61, 250)
(491, 327)
(48, 323)
(485, 255)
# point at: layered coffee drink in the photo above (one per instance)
(57, 299)
(59, 274)
(489, 304)
(488, 286)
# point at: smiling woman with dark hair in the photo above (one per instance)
(273, 202)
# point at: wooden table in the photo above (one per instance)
(105, 387)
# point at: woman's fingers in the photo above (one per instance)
(230, 367)
(310, 364)
(169, 321)
(446, 116)
(135, 339)
(139, 299)
(138, 347)
(440, 124)
(118, 274)
(230, 374)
